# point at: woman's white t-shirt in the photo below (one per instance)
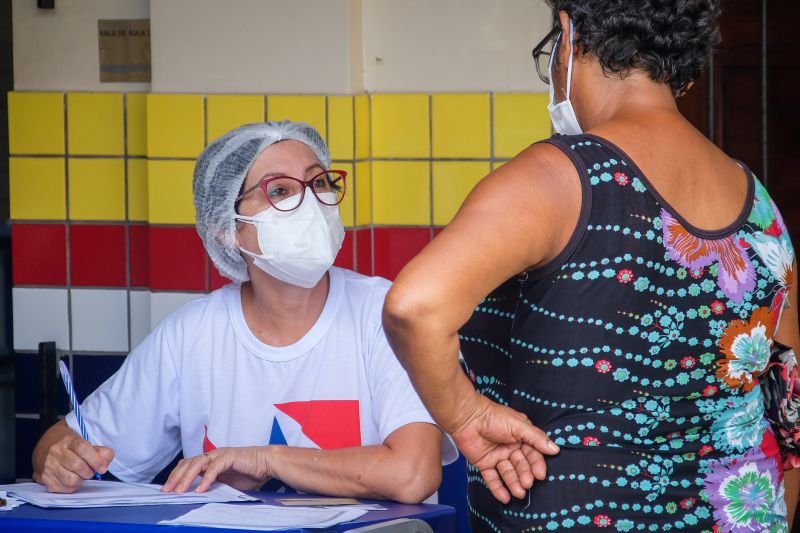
(202, 380)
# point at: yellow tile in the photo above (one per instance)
(137, 190)
(363, 193)
(136, 107)
(497, 164)
(229, 111)
(340, 127)
(347, 207)
(519, 121)
(452, 182)
(36, 123)
(460, 125)
(96, 189)
(401, 193)
(169, 192)
(362, 126)
(174, 125)
(94, 124)
(37, 188)
(400, 125)
(305, 108)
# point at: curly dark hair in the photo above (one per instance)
(670, 40)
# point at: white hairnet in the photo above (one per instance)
(218, 176)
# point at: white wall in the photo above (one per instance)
(57, 49)
(453, 45)
(291, 46)
(257, 46)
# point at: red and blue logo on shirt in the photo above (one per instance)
(330, 424)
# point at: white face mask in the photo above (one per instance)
(297, 246)
(562, 115)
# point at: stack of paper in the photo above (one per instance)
(264, 517)
(111, 493)
(7, 502)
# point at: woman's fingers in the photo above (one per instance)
(495, 485)
(507, 471)
(509, 476)
(522, 468)
(97, 458)
(238, 461)
(62, 479)
(77, 464)
(182, 476)
(215, 467)
(525, 432)
(172, 479)
(175, 476)
(196, 466)
(536, 461)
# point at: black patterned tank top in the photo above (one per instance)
(638, 351)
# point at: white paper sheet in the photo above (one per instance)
(11, 503)
(111, 494)
(264, 517)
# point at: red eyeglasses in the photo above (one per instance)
(285, 193)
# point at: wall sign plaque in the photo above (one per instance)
(124, 47)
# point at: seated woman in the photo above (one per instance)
(284, 374)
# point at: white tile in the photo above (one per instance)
(140, 316)
(163, 303)
(40, 315)
(100, 320)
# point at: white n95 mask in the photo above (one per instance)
(562, 114)
(297, 246)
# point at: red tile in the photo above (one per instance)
(215, 279)
(139, 239)
(177, 259)
(345, 259)
(394, 247)
(97, 255)
(39, 254)
(364, 251)
(437, 230)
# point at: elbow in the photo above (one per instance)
(416, 485)
(402, 309)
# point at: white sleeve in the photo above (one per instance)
(395, 403)
(135, 412)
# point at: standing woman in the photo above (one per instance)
(620, 286)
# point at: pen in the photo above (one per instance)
(73, 399)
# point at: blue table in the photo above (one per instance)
(28, 518)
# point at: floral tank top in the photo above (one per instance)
(639, 350)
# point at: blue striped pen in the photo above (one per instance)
(73, 399)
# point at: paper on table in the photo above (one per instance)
(316, 502)
(264, 517)
(329, 502)
(112, 493)
(7, 502)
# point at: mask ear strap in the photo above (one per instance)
(569, 64)
(244, 218)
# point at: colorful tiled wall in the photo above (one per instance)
(103, 239)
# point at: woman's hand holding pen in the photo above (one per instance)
(241, 468)
(69, 461)
(503, 444)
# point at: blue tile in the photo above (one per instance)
(27, 435)
(27, 393)
(90, 371)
